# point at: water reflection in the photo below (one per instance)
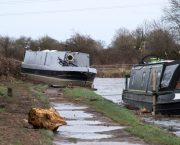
(110, 88)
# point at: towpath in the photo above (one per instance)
(85, 126)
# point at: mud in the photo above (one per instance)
(14, 128)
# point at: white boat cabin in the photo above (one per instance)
(56, 58)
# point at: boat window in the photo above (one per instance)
(169, 71)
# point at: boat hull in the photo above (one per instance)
(144, 100)
(60, 78)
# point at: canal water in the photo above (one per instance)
(111, 88)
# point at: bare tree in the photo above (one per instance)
(172, 16)
(6, 46)
(84, 43)
(123, 47)
(161, 43)
(48, 43)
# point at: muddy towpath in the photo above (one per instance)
(85, 126)
(14, 108)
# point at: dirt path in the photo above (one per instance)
(85, 126)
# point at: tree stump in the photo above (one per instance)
(45, 118)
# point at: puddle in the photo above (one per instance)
(83, 129)
(75, 114)
(80, 124)
(99, 143)
(86, 136)
(88, 128)
(67, 106)
(172, 125)
(83, 122)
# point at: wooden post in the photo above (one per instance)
(9, 92)
(126, 81)
(154, 91)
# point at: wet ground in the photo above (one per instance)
(87, 127)
(111, 88)
(168, 123)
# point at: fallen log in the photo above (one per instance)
(45, 118)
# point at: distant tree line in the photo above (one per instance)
(160, 38)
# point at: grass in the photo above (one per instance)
(38, 92)
(2, 110)
(112, 72)
(3, 90)
(47, 137)
(123, 116)
(153, 134)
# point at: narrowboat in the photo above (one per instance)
(60, 68)
(141, 88)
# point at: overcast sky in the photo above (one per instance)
(62, 18)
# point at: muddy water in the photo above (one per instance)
(85, 127)
(111, 88)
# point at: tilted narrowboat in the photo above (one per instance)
(139, 90)
(58, 67)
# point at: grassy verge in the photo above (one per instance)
(38, 92)
(47, 136)
(3, 90)
(151, 134)
(13, 111)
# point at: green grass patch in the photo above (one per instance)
(47, 137)
(123, 116)
(153, 134)
(3, 90)
(38, 92)
(2, 110)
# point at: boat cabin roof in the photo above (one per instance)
(167, 75)
(56, 58)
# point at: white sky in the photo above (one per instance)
(62, 18)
